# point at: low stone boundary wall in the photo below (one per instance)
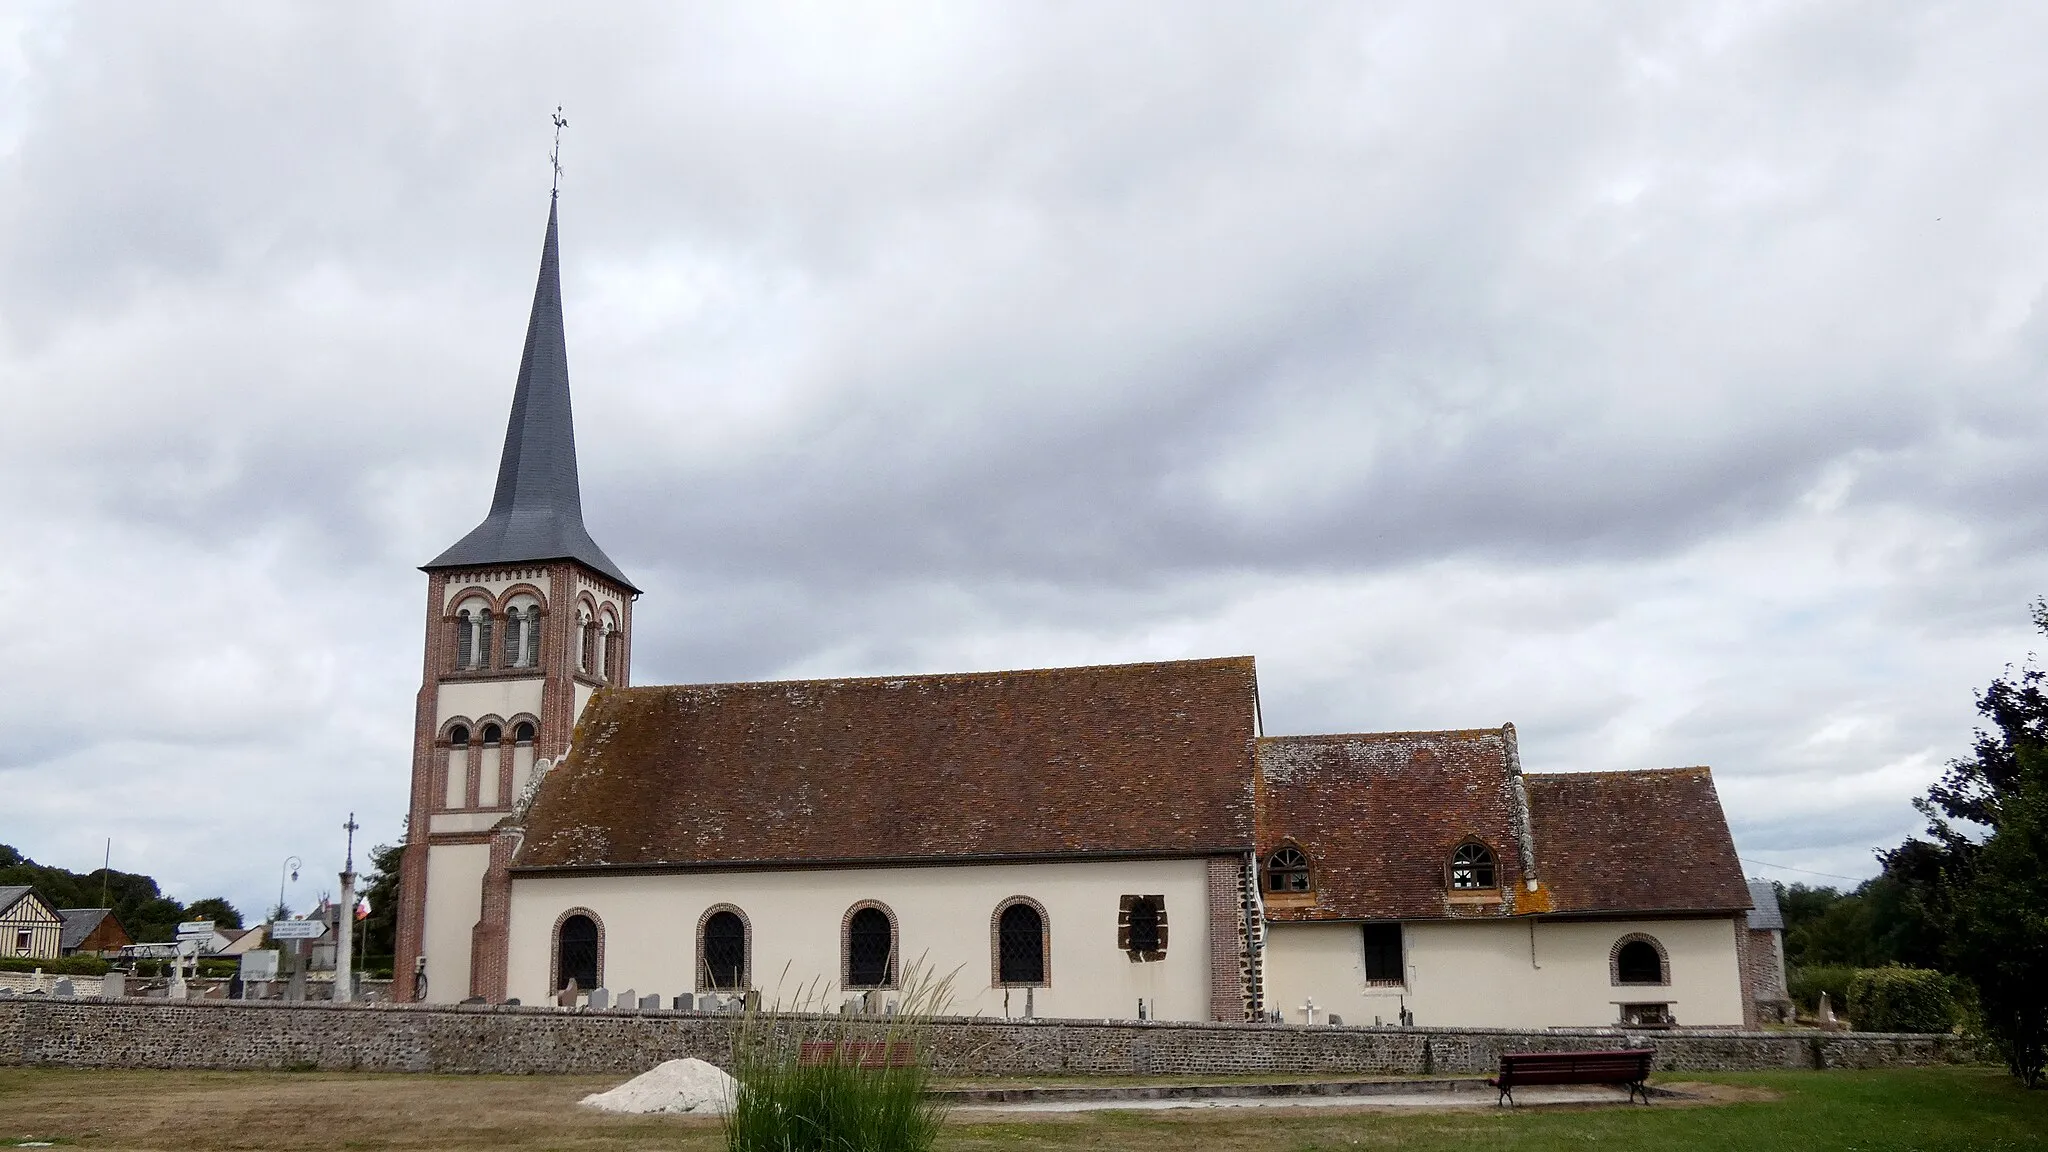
(537, 1040)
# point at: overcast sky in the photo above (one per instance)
(1667, 379)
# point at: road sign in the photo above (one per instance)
(297, 929)
(195, 928)
(152, 951)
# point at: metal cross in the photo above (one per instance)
(555, 157)
(350, 828)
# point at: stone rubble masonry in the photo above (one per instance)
(542, 1040)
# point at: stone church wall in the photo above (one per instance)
(529, 1040)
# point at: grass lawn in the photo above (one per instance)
(1918, 1109)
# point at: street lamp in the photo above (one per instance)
(291, 865)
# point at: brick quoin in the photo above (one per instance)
(1226, 939)
(1745, 965)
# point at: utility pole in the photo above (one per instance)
(344, 930)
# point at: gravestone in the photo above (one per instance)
(6, 993)
(684, 1002)
(628, 999)
(1336, 1021)
(651, 1002)
(566, 998)
(64, 987)
(600, 997)
(114, 984)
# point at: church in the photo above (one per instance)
(1120, 841)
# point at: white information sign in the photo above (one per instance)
(297, 929)
(260, 964)
(196, 928)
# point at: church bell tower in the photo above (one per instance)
(526, 617)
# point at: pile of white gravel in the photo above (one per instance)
(690, 1086)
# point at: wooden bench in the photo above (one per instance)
(1630, 1066)
(859, 1053)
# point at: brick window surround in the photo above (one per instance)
(1614, 962)
(555, 977)
(995, 945)
(893, 972)
(703, 980)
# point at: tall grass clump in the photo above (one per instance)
(785, 1104)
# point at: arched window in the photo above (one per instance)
(1020, 944)
(465, 639)
(492, 734)
(483, 639)
(515, 627)
(609, 665)
(1472, 867)
(523, 733)
(1287, 871)
(870, 948)
(586, 652)
(722, 946)
(576, 951)
(531, 657)
(459, 736)
(1639, 959)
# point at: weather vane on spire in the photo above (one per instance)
(555, 157)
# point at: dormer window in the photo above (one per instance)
(1287, 871)
(1472, 868)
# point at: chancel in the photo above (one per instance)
(1110, 840)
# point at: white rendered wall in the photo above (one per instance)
(473, 700)
(455, 876)
(943, 915)
(1485, 974)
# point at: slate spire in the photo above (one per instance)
(537, 511)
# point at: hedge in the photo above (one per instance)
(1806, 985)
(55, 966)
(1897, 999)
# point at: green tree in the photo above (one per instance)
(380, 928)
(216, 909)
(1983, 875)
(2000, 940)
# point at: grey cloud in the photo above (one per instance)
(1605, 371)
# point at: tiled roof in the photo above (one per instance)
(11, 894)
(1765, 913)
(1129, 758)
(1380, 814)
(78, 924)
(1649, 841)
